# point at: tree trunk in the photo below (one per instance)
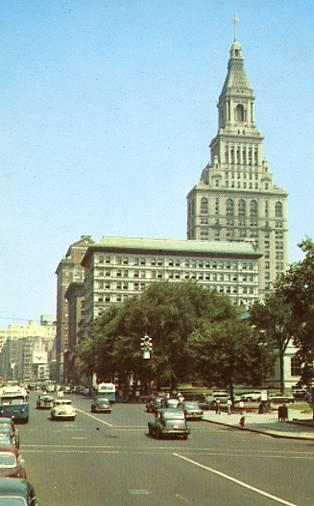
(281, 372)
(231, 391)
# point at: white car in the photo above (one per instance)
(63, 410)
(251, 396)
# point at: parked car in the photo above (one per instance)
(10, 422)
(154, 403)
(191, 410)
(209, 401)
(44, 401)
(11, 463)
(279, 400)
(63, 410)
(16, 491)
(100, 405)
(168, 422)
(301, 394)
(7, 435)
(251, 396)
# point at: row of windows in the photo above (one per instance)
(157, 262)
(233, 155)
(244, 174)
(229, 290)
(194, 264)
(243, 207)
(214, 277)
(182, 276)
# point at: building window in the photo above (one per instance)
(204, 205)
(229, 207)
(295, 366)
(278, 210)
(240, 114)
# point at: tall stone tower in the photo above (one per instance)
(236, 199)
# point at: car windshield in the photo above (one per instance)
(12, 501)
(191, 405)
(7, 460)
(103, 400)
(5, 429)
(172, 415)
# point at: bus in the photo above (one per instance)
(14, 403)
(107, 390)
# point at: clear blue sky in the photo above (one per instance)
(107, 108)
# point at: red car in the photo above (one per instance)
(11, 463)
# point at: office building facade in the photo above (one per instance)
(119, 267)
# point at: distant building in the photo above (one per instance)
(119, 267)
(69, 270)
(21, 341)
(236, 198)
(75, 297)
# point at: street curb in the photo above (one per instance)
(270, 434)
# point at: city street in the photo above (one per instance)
(108, 459)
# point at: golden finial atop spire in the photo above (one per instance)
(235, 21)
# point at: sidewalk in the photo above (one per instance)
(300, 426)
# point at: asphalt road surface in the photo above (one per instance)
(109, 460)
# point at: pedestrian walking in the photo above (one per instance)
(241, 406)
(217, 406)
(180, 397)
(229, 406)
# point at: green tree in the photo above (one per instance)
(169, 313)
(226, 353)
(297, 287)
(273, 320)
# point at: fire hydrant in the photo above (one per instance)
(242, 421)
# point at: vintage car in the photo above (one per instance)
(11, 463)
(168, 422)
(100, 405)
(9, 435)
(44, 401)
(171, 403)
(17, 492)
(209, 401)
(251, 396)
(191, 410)
(63, 410)
(9, 422)
(156, 402)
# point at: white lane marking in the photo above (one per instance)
(95, 418)
(80, 438)
(238, 482)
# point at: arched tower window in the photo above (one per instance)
(240, 112)
(278, 209)
(253, 208)
(230, 207)
(241, 207)
(204, 205)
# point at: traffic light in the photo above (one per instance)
(146, 345)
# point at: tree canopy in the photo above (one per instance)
(297, 287)
(183, 320)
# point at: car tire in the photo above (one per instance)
(158, 435)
